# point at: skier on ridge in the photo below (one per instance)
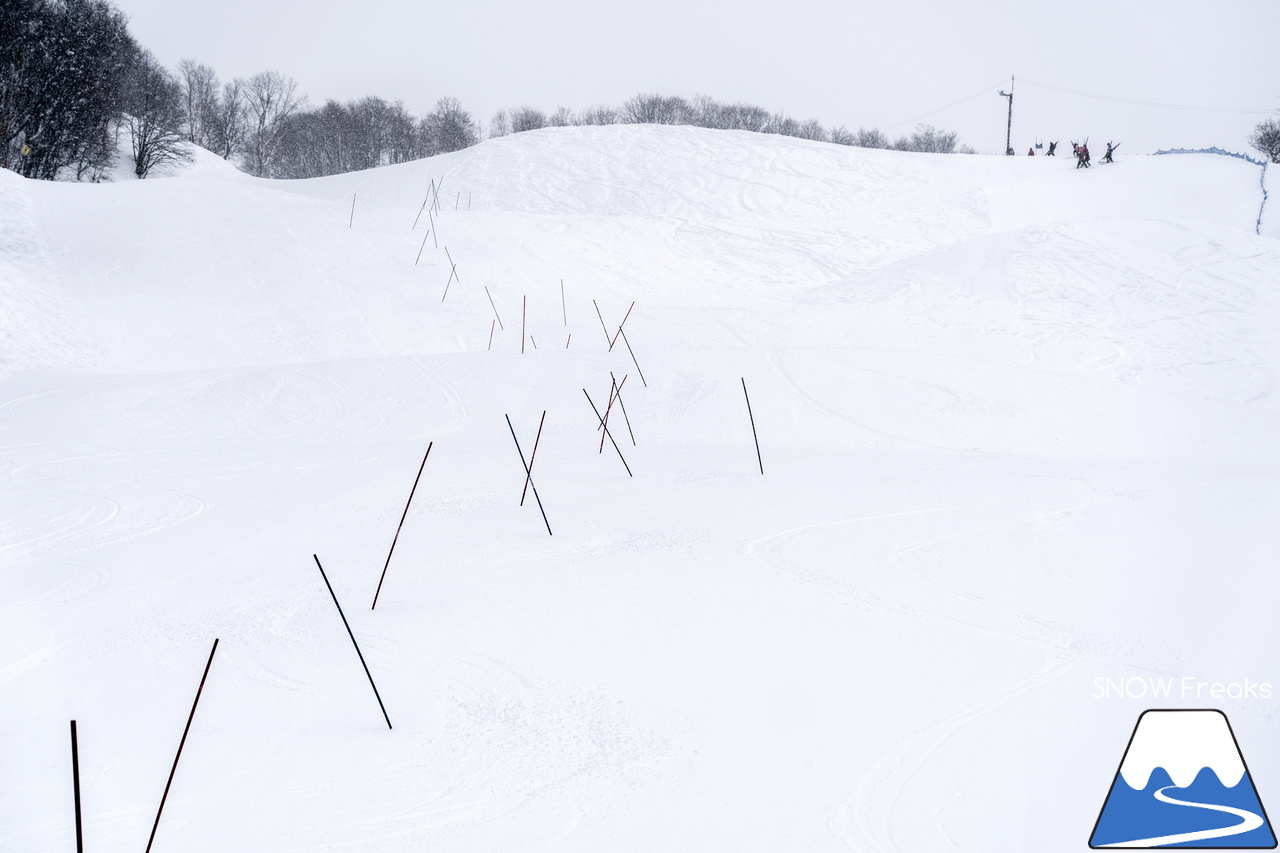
(1106, 158)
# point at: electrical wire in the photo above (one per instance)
(984, 90)
(1139, 103)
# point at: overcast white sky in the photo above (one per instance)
(854, 63)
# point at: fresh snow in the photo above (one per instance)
(1019, 432)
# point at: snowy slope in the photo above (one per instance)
(1017, 429)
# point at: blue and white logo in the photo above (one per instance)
(1183, 783)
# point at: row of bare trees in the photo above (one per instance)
(703, 111)
(269, 125)
(75, 87)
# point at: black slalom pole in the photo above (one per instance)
(529, 473)
(75, 783)
(401, 524)
(353, 640)
(753, 424)
(606, 431)
(181, 744)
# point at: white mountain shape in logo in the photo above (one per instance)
(1183, 743)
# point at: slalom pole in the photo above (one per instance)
(353, 639)
(528, 471)
(431, 220)
(492, 323)
(620, 325)
(563, 309)
(181, 744)
(494, 307)
(624, 409)
(614, 388)
(423, 246)
(606, 432)
(529, 475)
(352, 220)
(753, 424)
(453, 273)
(633, 357)
(601, 316)
(403, 516)
(75, 784)
(424, 207)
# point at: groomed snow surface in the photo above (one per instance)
(1018, 426)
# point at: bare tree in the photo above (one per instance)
(153, 115)
(872, 138)
(271, 98)
(63, 66)
(655, 109)
(226, 123)
(929, 140)
(1266, 138)
(199, 100)
(449, 127)
(527, 118)
(841, 136)
(562, 117)
(598, 115)
(499, 125)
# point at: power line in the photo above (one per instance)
(984, 90)
(1142, 103)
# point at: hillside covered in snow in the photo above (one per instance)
(1016, 422)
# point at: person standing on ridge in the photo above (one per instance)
(1106, 158)
(1053, 146)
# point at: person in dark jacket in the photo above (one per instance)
(1106, 158)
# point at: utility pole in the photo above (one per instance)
(1008, 132)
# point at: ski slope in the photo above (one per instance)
(1018, 430)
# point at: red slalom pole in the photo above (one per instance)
(615, 389)
(620, 325)
(606, 432)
